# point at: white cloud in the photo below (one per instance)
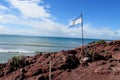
(48, 27)
(30, 8)
(116, 34)
(100, 32)
(1, 16)
(1, 28)
(7, 18)
(92, 32)
(43, 25)
(3, 7)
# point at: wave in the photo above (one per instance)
(15, 51)
(43, 45)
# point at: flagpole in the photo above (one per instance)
(76, 21)
(82, 30)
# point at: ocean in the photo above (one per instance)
(14, 45)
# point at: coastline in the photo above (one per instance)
(13, 45)
(102, 61)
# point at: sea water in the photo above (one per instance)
(14, 45)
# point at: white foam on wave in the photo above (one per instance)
(16, 51)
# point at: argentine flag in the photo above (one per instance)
(76, 21)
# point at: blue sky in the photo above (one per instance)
(51, 18)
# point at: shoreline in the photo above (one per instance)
(101, 60)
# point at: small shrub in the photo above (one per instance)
(99, 42)
(17, 61)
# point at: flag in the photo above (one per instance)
(76, 21)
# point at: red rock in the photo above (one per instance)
(1, 73)
(66, 64)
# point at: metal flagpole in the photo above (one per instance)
(82, 29)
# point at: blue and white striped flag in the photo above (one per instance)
(76, 21)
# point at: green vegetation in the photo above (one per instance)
(17, 61)
(99, 42)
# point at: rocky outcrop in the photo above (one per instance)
(95, 61)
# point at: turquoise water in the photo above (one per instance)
(13, 45)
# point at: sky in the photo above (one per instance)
(101, 18)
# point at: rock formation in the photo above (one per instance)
(95, 61)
